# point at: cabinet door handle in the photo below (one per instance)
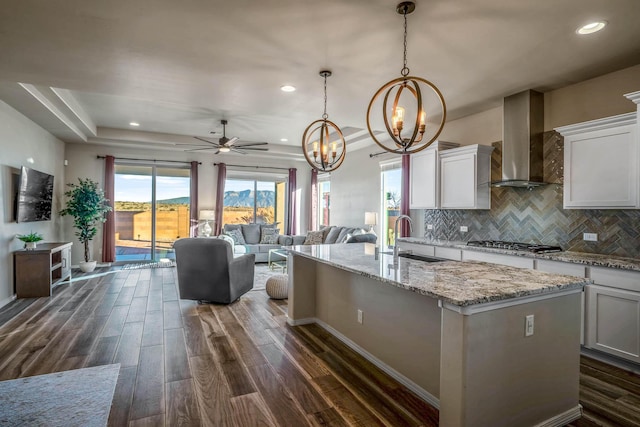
(64, 263)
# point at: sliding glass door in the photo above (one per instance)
(151, 210)
(391, 191)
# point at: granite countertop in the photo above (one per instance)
(458, 283)
(596, 260)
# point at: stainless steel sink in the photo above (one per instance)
(410, 255)
(424, 258)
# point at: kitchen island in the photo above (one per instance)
(453, 332)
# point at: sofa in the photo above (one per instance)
(258, 239)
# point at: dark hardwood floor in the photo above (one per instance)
(236, 365)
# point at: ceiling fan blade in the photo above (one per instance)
(250, 144)
(235, 150)
(215, 144)
(252, 148)
(231, 141)
(200, 149)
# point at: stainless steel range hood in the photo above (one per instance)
(522, 129)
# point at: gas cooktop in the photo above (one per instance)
(514, 246)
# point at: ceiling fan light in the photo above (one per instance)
(224, 149)
(592, 27)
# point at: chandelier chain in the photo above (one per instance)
(405, 69)
(325, 115)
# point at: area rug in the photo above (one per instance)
(81, 397)
(262, 273)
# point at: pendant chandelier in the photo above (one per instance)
(395, 116)
(323, 144)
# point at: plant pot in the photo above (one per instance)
(30, 245)
(88, 266)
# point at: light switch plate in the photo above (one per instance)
(528, 325)
(464, 228)
(429, 226)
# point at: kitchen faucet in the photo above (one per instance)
(396, 247)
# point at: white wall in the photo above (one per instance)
(355, 188)
(20, 140)
(83, 163)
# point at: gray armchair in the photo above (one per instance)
(207, 270)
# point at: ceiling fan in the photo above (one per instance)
(224, 144)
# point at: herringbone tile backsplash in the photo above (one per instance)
(537, 216)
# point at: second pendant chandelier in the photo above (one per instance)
(323, 144)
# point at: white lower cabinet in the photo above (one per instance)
(613, 321)
(613, 312)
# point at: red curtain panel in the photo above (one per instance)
(109, 227)
(193, 200)
(222, 177)
(292, 223)
(404, 199)
(313, 221)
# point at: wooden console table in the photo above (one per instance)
(37, 271)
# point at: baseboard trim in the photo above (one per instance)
(299, 322)
(563, 418)
(8, 300)
(422, 393)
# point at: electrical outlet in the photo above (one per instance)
(429, 226)
(590, 237)
(464, 228)
(360, 315)
(528, 325)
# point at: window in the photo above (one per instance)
(323, 203)
(254, 201)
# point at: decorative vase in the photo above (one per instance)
(30, 245)
(88, 266)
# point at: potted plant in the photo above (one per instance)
(30, 240)
(87, 205)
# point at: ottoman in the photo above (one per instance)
(278, 286)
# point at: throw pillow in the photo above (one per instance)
(343, 234)
(237, 237)
(313, 238)
(251, 233)
(285, 240)
(363, 238)
(325, 232)
(269, 235)
(348, 236)
(333, 234)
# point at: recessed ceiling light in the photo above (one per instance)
(591, 27)
(287, 88)
(283, 139)
(134, 124)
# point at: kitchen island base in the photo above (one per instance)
(475, 364)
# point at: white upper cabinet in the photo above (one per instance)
(465, 177)
(602, 163)
(425, 176)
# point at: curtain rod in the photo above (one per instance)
(372, 155)
(256, 167)
(148, 160)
